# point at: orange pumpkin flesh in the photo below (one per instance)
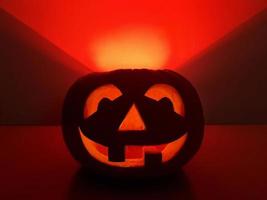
(133, 121)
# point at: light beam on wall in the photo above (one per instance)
(130, 47)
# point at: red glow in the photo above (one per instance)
(189, 26)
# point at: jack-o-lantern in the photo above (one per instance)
(133, 122)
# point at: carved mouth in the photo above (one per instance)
(134, 154)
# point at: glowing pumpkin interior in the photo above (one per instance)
(133, 121)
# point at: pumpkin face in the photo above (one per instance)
(133, 122)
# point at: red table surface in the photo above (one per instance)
(231, 164)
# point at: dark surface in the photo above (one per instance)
(231, 164)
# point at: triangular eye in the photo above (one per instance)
(105, 93)
(162, 92)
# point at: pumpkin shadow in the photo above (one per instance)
(88, 186)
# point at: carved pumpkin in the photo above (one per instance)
(133, 122)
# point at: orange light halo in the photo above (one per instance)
(131, 47)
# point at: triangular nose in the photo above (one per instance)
(132, 120)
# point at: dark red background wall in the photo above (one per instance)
(220, 46)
